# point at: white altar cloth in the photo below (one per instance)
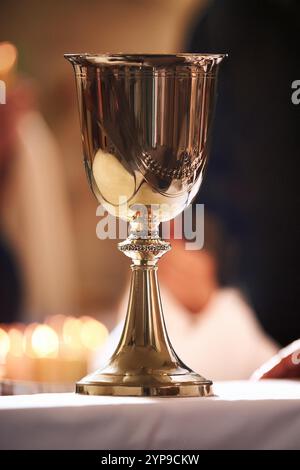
(244, 415)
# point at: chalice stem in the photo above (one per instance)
(144, 338)
(144, 326)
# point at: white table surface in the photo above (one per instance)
(244, 415)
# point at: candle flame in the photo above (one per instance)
(16, 342)
(8, 57)
(71, 333)
(4, 344)
(44, 341)
(27, 339)
(93, 333)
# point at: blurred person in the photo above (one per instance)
(10, 279)
(211, 326)
(37, 270)
(99, 266)
(252, 181)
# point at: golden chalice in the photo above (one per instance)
(145, 122)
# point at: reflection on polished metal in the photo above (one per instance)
(145, 122)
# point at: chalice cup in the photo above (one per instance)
(145, 122)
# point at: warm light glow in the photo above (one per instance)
(4, 344)
(57, 350)
(56, 322)
(27, 339)
(93, 333)
(71, 333)
(8, 57)
(16, 342)
(44, 341)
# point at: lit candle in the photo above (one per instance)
(8, 60)
(4, 348)
(17, 365)
(57, 351)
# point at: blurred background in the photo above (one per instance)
(51, 262)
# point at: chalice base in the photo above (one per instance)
(188, 384)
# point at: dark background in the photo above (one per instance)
(252, 183)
